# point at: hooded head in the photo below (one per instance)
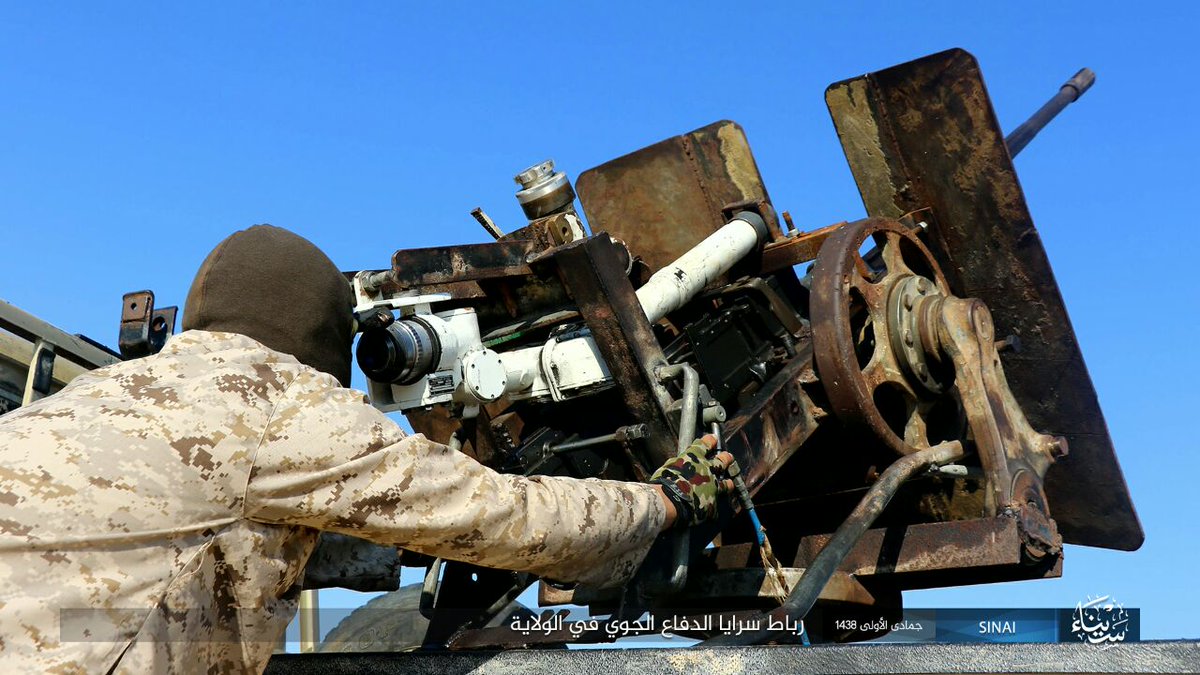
(278, 288)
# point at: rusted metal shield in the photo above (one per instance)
(924, 134)
(664, 199)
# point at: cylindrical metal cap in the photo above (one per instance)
(544, 191)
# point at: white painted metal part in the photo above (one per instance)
(484, 375)
(458, 336)
(565, 366)
(556, 370)
(672, 286)
(408, 302)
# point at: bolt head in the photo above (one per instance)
(535, 173)
(984, 327)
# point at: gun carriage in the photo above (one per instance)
(904, 393)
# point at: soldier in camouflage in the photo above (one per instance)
(156, 515)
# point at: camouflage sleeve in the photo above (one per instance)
(330, 461)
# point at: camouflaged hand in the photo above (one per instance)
(693, 480)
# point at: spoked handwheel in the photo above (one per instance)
(876, 357)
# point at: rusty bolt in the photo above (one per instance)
(535, 173)
(908, 337)
(908, 301)
(983, 321)
(1012, 342)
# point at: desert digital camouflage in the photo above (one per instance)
(156, 515)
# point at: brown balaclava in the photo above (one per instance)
(278, 288)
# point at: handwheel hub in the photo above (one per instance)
(875, 342)
(913, 305)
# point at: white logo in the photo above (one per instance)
(1100, 620)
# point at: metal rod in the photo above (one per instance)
(429, 588)
(583, 443)
(689, 403)
(487, 223)
(809, 588)
(373, 281)
(689, 412)
(40, 376)
(626, 433)
(680, 553)
(310, 623)
(1070, 92)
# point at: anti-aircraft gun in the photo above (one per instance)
(904, 394)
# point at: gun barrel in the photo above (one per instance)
(1070, 92)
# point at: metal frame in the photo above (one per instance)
(37, 359)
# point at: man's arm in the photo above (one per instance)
(330, 461)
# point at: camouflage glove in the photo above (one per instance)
(692, 481)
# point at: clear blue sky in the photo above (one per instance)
(133, 137)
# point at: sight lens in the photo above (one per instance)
(401, 353)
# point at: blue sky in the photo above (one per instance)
(133, 137)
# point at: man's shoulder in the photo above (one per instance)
(202, 367)
(212, 351)
(221, 346)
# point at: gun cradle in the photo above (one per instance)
(603, 353)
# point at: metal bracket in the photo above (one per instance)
(144, 330)
(1006, 443)
(41, 372)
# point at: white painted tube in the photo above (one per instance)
(674, 285)
(560, 370)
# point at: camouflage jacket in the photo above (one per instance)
(156, 515)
